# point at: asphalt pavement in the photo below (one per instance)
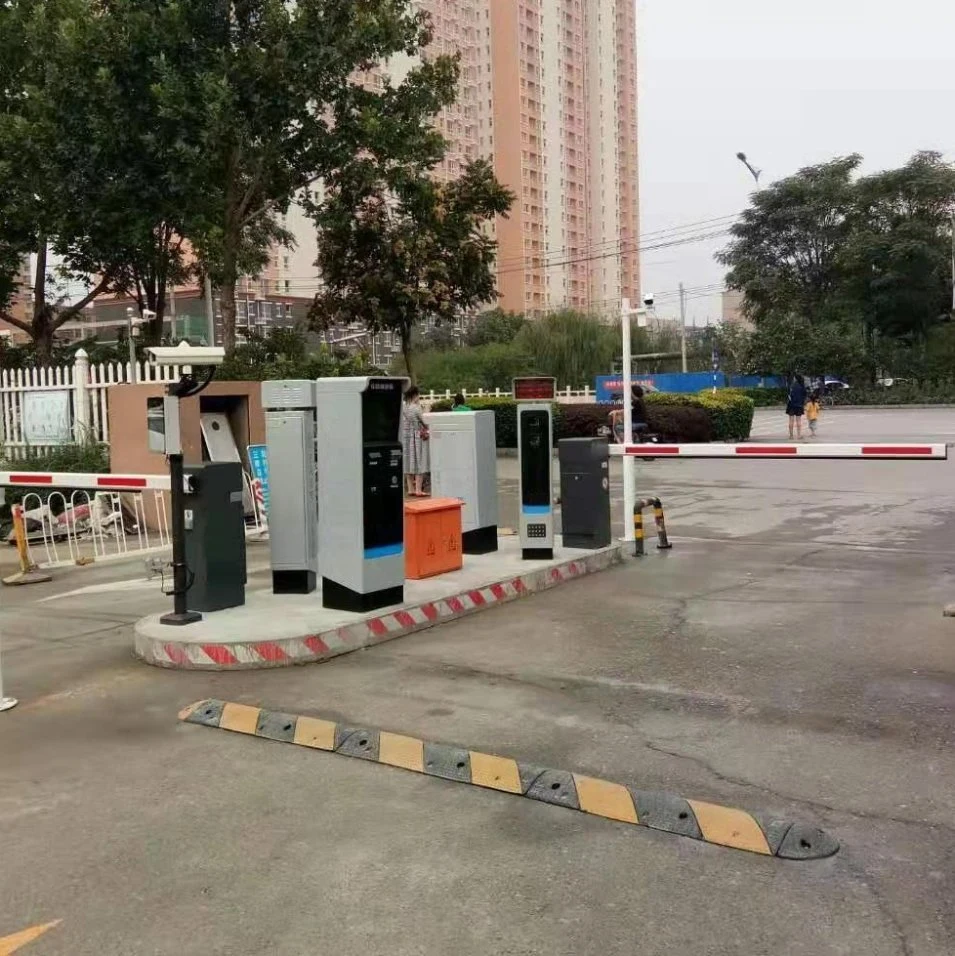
(788, 656)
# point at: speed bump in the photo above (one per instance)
(705, 822)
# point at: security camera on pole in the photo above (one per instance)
(188, 358)
(629, 464)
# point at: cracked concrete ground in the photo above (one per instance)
(789, 655)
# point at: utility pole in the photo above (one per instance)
(953, 262)
(683, 327)
(210, 315)
(172, 314)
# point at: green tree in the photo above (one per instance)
(897, 260)
(495, 326)
(396, 246)
(571, 346)
(270, 100)
(91, 184)
(785, 251)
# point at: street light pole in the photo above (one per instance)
(755, 173)
(629, 464)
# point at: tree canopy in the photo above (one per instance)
(396, 246)
(841, 262)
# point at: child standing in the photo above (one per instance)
(812, 412)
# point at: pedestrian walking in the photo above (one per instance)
(796, 406)
(813, 408)
(414, 444)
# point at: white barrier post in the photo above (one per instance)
(629, 473)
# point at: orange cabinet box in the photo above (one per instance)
(432, 537)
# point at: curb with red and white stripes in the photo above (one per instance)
(320, 646)
(930, 452)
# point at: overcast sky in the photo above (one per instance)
(791, 84)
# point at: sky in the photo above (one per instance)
(790, 84)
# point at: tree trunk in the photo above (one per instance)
(227, 296)
(42, 324)
(405, 336)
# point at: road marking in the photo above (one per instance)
(693, 819)
(10, 944)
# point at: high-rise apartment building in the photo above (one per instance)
(549, 91)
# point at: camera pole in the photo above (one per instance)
(186, 387)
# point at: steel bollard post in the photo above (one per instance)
(638, 546)
(663, 541)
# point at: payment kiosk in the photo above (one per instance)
(536, 450)
(464, 465)
(360, 493)
(293, 506)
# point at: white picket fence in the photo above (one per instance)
(85, 386)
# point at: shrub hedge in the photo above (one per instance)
(676, 418)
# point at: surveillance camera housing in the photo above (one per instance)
(148, 315)
(648, 300)
(186, 354)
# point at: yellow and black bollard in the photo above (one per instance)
(638, 546)
(663, 542)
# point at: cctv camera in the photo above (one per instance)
(648, 300)
(148, 315)
(186, 354)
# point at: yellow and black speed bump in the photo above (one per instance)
(725, 826)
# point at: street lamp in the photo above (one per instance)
(756, 173)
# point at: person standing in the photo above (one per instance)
(414, 444)
(812, 412)
(460, 404)
(796, 406)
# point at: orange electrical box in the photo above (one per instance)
(432, 537)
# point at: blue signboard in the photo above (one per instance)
(259, 466)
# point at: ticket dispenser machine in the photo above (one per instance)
(536, 449)
(360, 493)
(293, 506)
(464, 465)
(215, 536)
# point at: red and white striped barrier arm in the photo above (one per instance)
(92, 482)
(934, 452)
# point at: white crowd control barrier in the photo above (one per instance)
(79, 518)
(862, 452)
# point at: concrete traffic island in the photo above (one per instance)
(281, 630)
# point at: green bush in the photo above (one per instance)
(731, 414)
(680, 425)
(761, 397)
(680, 421)
(86, 459)
(906, 393)
(505, 417)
